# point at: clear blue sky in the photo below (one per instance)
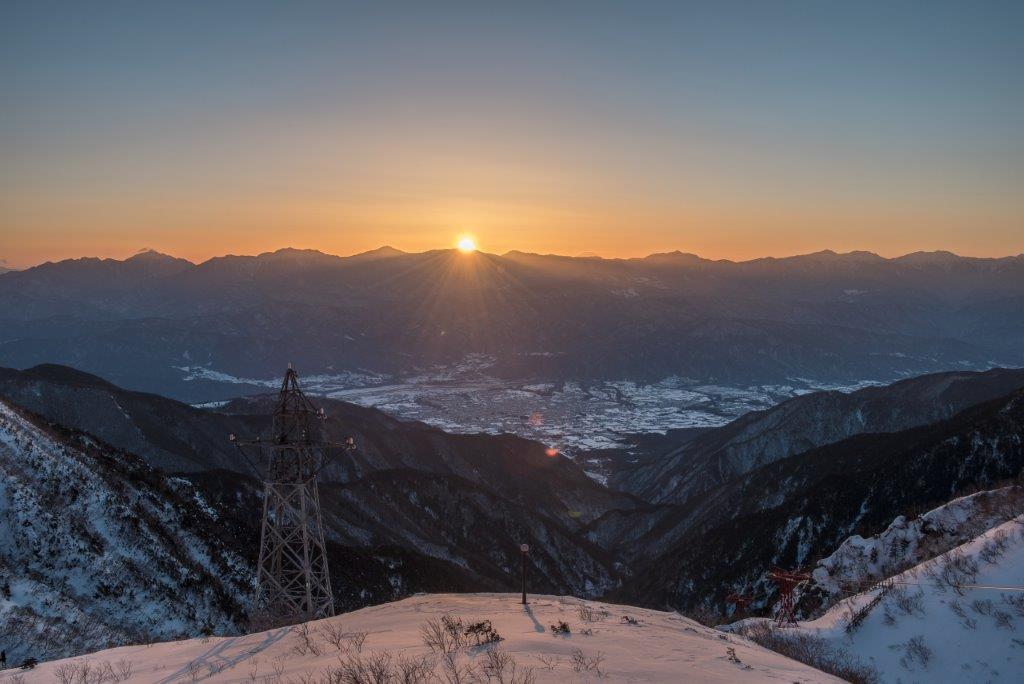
(731, 129)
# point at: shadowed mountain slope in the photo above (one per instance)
(716, 456)
(800, 508)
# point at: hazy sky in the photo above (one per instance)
(727, 129)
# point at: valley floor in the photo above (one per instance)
(572, 416)
(650, 646)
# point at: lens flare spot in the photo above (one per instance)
(551, 452)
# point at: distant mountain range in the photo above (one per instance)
(824, 317)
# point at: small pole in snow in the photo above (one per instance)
(525, 550)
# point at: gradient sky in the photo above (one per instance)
(729, 129)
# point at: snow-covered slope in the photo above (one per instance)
(98, 549)
(906, 543)
(958, 617)
(649, 646)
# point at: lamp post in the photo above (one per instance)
(525, 549)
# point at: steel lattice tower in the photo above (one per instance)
(292, 581)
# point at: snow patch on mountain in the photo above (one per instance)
(98, 549)
(957, 617)
(906, 543)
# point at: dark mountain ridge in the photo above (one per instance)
(416, 509)
(179, 438)
(793, 511)
(826, 317)
(460, 504)
(715, 456)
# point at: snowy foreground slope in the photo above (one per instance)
(906, 543)
(954, 618)
(657, 647)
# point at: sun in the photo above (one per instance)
(466, 244)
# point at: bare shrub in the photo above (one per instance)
(524, 675)
(814, 651)
(916, 652)
(1003, 619)
(958, 610)
(983, 607)
(307, 677)
(1015, 602)
(581, 662)
(333, 634)
(454, 627)
(278, 666)
(588, 613)
(104, 673)
(437, 638)
(305, 641)
(356, 640)
(496, 661)
(379, 666)
(561, 628)
(994, 548)
(954, 570)
(549, 662)
(254, 669)
(907, 602)
(446, 635)
(499, 665)
(409, 670)
(452, 673)
(65, 673)
(376, 668)
(124, 670)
